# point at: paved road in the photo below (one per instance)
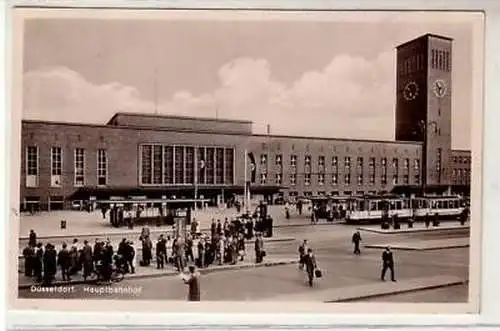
(458, 293)
(334, 255)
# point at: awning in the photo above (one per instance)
(102, 193)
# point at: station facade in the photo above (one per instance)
(166, 156)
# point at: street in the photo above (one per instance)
(333, 249)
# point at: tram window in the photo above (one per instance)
(456, 204)
(398, 205)
(361, 205)
(373, 205)
(438, 205)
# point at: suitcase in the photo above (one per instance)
(318, 273)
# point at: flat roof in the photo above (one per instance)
(177, 117)
(427, 35)
(91, 125)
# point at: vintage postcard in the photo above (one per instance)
(239, 161)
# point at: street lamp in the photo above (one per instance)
(422, 127)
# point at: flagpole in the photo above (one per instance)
(246, 180)
(196, 165)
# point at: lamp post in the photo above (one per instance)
(423, 126)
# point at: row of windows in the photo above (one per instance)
(462, 159)
(334, 162)
(440, 60)
(461, 175)
(181, 165)
(413, 63)
(56, 166)
(334, 179)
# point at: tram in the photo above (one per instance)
(135, 211)
(371, 209)
(331, 207)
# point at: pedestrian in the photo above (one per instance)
(201, 253)
(130, 257)
(49, 264)
(241, 247)
(161, 252)
(32, 239)
(213, 228)
(193, 281)
(28, 253)
(221, 247)
(38, 262)
(219, 228)
(356, 238)
(147, 247)
(311, 266)
(180, 251)
(259, 248)
(387, 263)
(87, 260)
(427, 220)
(189, 248)
(63, 261)
(302, 252)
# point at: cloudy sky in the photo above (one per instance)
(327, 78)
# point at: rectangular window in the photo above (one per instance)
(278, 179)
(279, 160)
(372, 179)
(32, 166)
(80, 167)
(146, 164)
(210, 165)
(383, 179)
(394, 179)
(179, 164)
(157, 164)
(406, 179)
(417, 179)
(263, 179)
(347, 162)
(335, 179)
(219, 166)
(360, 163)
(321, 163)
(229, 165)
(307, 179)
(56, 161)
(168, 164)
(347, 179)
(407, 164)
(102, 167)
(293, 179)
(55, 166)
(263, 162)
(189, 165)
(372, 163)
(293, 162)
(360, 179)
(416, 164)
(395, 163)
(335, 161)
(321, 179)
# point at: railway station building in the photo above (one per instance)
(169, 156)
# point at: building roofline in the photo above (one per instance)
(223, 133)
(427, 35)
(178, 117)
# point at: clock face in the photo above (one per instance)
(439, 88)
(410, 91)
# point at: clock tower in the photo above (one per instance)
(423, 103)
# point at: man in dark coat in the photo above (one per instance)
(310, 263)
(213, 228)
(219, 228)
(87, 260)
(193, 281)
(302, 252)
(38, 262)
(387, 263)
(49, 264)
(259, 248)
(32, 240)
(63, 261)
(356, 238)
(129, 256)
(161, 252)
(107, 261)
(147, 247)
(28, 254)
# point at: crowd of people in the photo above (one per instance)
(225, 244)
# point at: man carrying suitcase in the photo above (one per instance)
(311, 266)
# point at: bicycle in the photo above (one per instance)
(116, 276)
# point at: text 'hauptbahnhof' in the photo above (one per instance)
(163, 156)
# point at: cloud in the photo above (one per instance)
(350, 97)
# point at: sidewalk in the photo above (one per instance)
(424, 245)
(417, 227)
(371, 290)
(47, 224)
(152, 272)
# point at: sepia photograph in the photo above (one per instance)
(259, 157)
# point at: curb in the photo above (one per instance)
(417, 249)
(371, 296)
(436, 229)
(154, 231)
(175, 273)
